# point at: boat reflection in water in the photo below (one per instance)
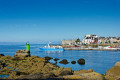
(53, 52)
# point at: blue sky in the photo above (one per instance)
(54, 20)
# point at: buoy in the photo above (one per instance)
(27, 46)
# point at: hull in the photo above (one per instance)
(51, 49)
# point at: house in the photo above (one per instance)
(118, 39)
(112, 40)
(90, 39)
(101, 39)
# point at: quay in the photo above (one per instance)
(78, 48)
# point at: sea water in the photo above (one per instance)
(100, 61)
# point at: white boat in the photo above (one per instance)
(52, 48)
(110, 48)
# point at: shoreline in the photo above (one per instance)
(34, 67)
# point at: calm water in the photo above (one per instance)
(100, 61)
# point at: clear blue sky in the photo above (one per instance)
(54, 20)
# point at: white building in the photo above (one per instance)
(90, 39)
(68, 42)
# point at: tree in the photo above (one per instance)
(78, 40)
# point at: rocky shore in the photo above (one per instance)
(34, 67)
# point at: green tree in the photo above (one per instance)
(78, 40)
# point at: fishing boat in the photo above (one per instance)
(52, 48)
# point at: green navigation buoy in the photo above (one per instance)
(27, 46)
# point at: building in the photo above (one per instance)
(90, 39)
(68, 42)
(118, 39)
(111, 40)
(101, 40)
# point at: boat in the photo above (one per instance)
(52, 48)
(110, 48)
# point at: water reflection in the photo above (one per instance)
(4, 76)
(52, 51)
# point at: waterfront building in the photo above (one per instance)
(112, 40)
(101, 40)
(118, 39)
(90, 39)
(69, 42)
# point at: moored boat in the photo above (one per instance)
(110, 48)
(52, 48)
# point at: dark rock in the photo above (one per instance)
(48, 58)
(56, 59)
(81, 61)
(73, 62)
(21, 73)
(64, 61)
(118, 79)
(1, 55)
(2, 64)
(17, 59)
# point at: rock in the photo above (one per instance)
(62, 71)
(37, 76)
(85, 76)
(73, 62)
(117, 64)
(90, 70)
(7, 57)
(81, 61)
(22, 51)
(56, 59)
(118, 78)
(22, 54)
(66, 71)
(113, 73)
(80, 72)
(64, 61)
(72, 77)
(1, 55)
(2, 65)
(48, 58)
(48, 67)
(57, 71)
